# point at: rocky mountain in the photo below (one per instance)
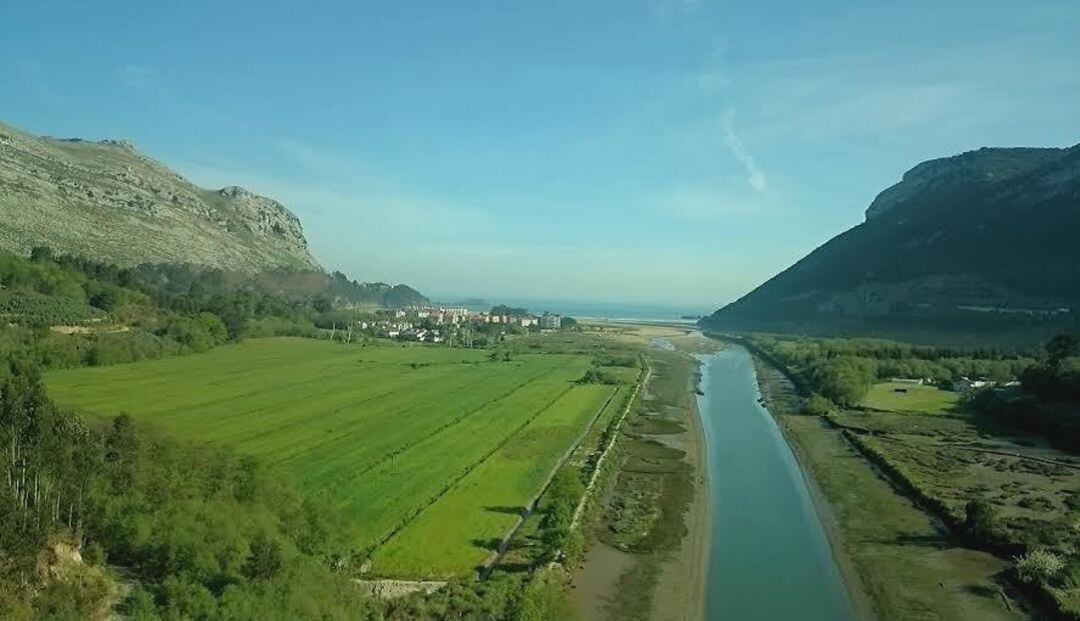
(982, 244)
(107, 201)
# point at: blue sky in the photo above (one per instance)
(657, 151)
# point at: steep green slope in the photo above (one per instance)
(986, 243)
(107, 201)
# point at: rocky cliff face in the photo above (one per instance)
(985, 166)
(107, 201)
(984, 243)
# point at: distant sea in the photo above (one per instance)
(613, 311)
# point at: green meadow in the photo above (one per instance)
(428, 451)
(451, 528)
(901, 397)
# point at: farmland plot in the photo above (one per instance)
(383, 431)
(462, 526)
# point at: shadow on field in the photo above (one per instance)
(981, 590)
(506, 510)
(491, 543)
(515, 568)
(929, 541)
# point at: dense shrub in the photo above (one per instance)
(1040, 566)
(203, 532)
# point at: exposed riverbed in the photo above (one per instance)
(769, 556)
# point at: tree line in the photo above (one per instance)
(65, 311)
(842, 370)
(1049, 400)
(839, 372)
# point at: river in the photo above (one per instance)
(769, 557)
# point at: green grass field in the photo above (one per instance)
(915, 398)
(423, 448)
(453, 527)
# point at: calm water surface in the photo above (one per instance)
(769, 558)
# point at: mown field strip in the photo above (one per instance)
(462, 403)
(323, 417)
(440, 544)
(239, 372)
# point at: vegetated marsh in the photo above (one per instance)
(385, 432)
(641, 562)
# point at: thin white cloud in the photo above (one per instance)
(697, 203)
(755, 176)
(715, 83)
(915, 97)
(329, 164)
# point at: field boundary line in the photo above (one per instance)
(408, 519)
(488, 564)
(443, 427)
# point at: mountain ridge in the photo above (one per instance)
(986, 242)
(106, 200)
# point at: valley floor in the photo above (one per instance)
(431, 454)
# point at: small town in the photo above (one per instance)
(451, 325)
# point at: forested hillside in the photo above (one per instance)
(65, 311)
(982, 245)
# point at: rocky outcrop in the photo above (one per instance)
(107, 201)
(393, 589)
(984, 166)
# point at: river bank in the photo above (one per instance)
(646, 557)
(681, 589)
